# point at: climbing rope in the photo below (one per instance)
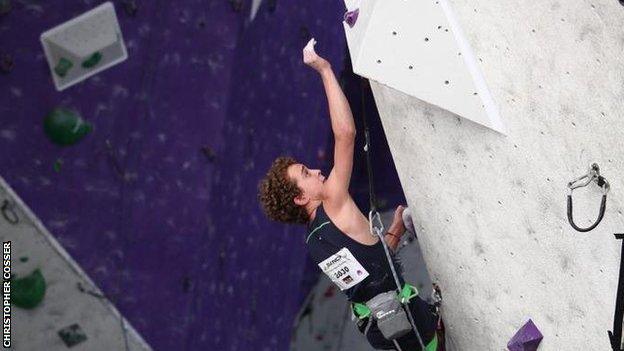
(376, 226)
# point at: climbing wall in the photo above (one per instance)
(491, 209)
(55, 305)
(157, 203)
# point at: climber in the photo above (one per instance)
(338, 232)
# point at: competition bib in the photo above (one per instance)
(343, 269)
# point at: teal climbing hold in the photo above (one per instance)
(93, 60)
(5, 7)
(27, 292)
(72, 335)
(65, 127)
(57, 165)
(62, 67)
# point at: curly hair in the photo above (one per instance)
(276, 193)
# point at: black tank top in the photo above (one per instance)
(324, 239)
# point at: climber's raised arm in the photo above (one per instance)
(343, 127)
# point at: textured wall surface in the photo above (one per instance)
(492, 208)
(158, 204)
(63, 304)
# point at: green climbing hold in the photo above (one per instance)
(62, 67)
(93, 60)
(65, 127)
(23, 259)
(5, 7)
(28, 292)
(57, 165)
(72, 335)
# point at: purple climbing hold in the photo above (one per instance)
(131, 8)
(527, 338)
(237, 5)
(6, 63)
(351, 17)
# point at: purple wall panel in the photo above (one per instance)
(132, 216)
(176, 241)
(277, 106)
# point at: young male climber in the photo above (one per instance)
(291, 192)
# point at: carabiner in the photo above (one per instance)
(374, 223)
(592, 175)
(585, 179)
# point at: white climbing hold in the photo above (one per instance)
(84, 46)
(418, 48)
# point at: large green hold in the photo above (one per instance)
(62, 67)
(65, 127)
(93, 60)
(28, 292)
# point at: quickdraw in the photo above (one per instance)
(593, 175)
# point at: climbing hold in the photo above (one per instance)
(408, 222)
(272, 5)
(350, 17)
(237, 5)
(72, 335)
(304, 33)
(6, 63)
(62, 67)
(5, 7)
(65, 127)
(23, 259)
(209, 153)
(93, 60)
(130, 7)
(186, 284)
(8, 212)
(28, 292)
(57, 165)
(81, 41)
(527, 338)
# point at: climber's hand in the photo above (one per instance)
(312, 59)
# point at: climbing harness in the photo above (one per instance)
(615, 336)
(593, 175)
(376, 229)
(387, 311)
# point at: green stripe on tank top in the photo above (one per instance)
(315, 229)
